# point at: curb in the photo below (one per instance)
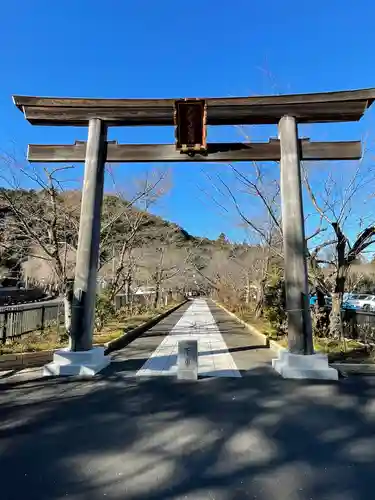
(24, 360)
(354, 368)
(131, 335)
(344, 368)
(269, 343)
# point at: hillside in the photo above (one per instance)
(39, 233)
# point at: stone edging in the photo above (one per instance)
(355, 368)
(270, 343)
(19, 360)
(131, 335)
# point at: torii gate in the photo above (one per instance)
(191, 117)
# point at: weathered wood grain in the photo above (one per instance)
(233, 115)
(226, 152)
(306, 108)
(294, 241)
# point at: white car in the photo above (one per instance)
(361, 301)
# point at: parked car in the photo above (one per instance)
(314, 298)
(364, 302)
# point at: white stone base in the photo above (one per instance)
(312, 366)
(87, 363)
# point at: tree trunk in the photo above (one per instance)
(68, 314)
(157, 295)
(126, 292)
(68, 303)
(319, 314)
(247, 297)
(260, 299)
(335, 320)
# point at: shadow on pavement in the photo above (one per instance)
(157, 439)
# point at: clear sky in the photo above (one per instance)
(139, 48)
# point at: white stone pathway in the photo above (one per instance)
(197, 323)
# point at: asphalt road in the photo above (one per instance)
(155, 438)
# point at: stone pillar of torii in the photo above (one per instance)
(299, 360)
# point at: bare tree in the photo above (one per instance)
(40, 226)
(261, 220)
(334, 204)
(122, 232)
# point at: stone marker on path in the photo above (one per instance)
(187, 360)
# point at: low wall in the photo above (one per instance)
(26, 360)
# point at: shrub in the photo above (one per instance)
(274, 310)
(105, 310)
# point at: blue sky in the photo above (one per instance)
(143, 48)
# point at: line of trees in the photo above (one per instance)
(338, 234)
(39, 232)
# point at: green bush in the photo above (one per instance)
(275, 305)
(105, 310)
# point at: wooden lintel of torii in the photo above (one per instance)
(216, 152)
(256, 110)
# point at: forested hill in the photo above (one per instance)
(37, 224)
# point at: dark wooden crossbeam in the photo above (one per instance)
(227, 152)
(306, 108)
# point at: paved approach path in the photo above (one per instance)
(196, 323)
(226, 348)
(123, 436)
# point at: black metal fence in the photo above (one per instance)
(359, 325)
(26, 318)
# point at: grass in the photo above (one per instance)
(33, 342)
(340, 351)
(49, 339)
(248, 315)
(343, 351)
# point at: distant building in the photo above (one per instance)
(144, 290)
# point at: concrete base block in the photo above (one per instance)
(87, 363)
(313, 366)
